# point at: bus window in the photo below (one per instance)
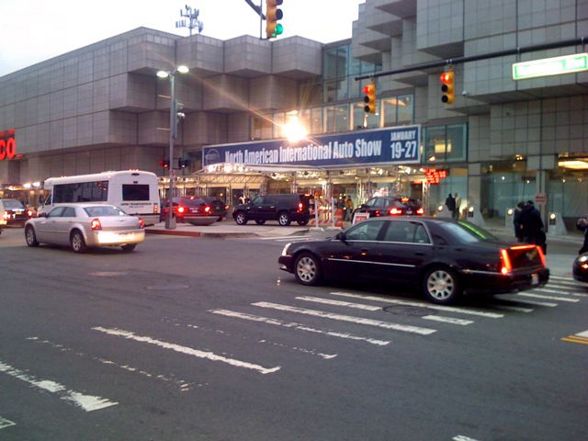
(135, 192)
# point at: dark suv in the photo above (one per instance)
(284, 208)
(391, 206)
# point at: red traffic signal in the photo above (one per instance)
(447, 79)
(369, 98)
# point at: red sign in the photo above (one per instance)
(7, 144)
(434, 176)
(540, 198)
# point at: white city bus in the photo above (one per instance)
(135, 192)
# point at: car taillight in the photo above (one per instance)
(141, 223)
(377, 213)
(29, 213)
(394, 211)
(300, 206)
(95, 224)
(207, 209)
(420, 211)
(506, 266)
(181, 209)
(541, 255)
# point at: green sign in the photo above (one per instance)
(550, 66)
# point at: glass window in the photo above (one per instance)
(411, 232)
(405, 106)
(135, 192)
(330, 93)
(337, 118)
(56, 212)
(445, 143)
(69, 212)
(390, 111)
(262, 127)
(365, 231)
(81, 192)
(316, 120)
(12, 204)
(104, 210)
(279, 121)
(456, 142)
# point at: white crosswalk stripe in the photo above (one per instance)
(388, 300)
(541, 296)
(560, 291)
(346, 318)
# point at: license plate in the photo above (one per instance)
(409, 212)
(534, 279)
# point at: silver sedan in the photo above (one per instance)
(85, 225)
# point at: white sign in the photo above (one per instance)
(550, 66)
(358, 217)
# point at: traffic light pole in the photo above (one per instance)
(170, 221)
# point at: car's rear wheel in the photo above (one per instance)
(303, 222)
(77, 242)
(31, 237)
(307, 269)
(129, 247)
(284, 219)
(260, 221)
(441, 286)
(240, 218)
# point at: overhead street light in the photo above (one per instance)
(170, 222)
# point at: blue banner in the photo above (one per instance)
(397, 145)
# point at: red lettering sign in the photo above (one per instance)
(435, 176)
(7, 144)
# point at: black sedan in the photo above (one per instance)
(580, 268)
(442, 256)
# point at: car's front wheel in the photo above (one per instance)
(240, 218)
(284, 219)
(441, 286)
(307, 269)
(77, 242)
(31, 237)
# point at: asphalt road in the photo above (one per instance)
(206, 339)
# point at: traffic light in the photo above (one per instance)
(183, 163)
(273, 14)
(369, 97)
(164, 163)
(447, 86)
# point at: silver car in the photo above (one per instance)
(85, 225)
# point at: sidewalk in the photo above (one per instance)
(228, 227)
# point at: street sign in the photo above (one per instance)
(540, 198)
(550, 66)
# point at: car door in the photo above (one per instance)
(353, 257)
(405, 247)
(63, 225)
(46, 227)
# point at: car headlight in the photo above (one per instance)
(285, 250)
(581, 259)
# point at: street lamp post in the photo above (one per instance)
(170, 221)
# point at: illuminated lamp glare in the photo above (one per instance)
(162, 74)
(183, 69)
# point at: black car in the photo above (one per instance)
(442, 256)
(391, 206)
(187, 207)
(284, 208)
(217, 207)
(580, 268)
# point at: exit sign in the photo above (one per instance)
(550, 66)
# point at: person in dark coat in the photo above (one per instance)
(516, 220)
(450, 204)
(582, 225)
(532, 226)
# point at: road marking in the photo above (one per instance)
(4, 423)
(450, 320)
(297, 326)
(534, 302)
(555, 291)
(421, 305)
(87, 402)
(541, 296)
(462, 438)
(580, 337)
(186, 350)
(285, 238)
(568, 280)
(513, 308)
(346, 318)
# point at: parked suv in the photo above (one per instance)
(13, 211)
(285, 208)
(391, 206)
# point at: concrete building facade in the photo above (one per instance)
(500, 142)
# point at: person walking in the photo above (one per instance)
(348, 209)
(532, 225)
(516, 220)
(456, 212)
(582, 225)
(450, 204)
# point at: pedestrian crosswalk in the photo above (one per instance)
(322, 322)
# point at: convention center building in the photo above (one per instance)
(288, 114)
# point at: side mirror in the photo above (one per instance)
(341, 236)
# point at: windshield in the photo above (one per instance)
(12, 204)
(466, 232)
(104, 210)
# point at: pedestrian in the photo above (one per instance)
(516, 220)
(533, 228)
(456, 213)
(582, 225)
(450, 204)
(348, 209)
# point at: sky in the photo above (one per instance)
(36, 30)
